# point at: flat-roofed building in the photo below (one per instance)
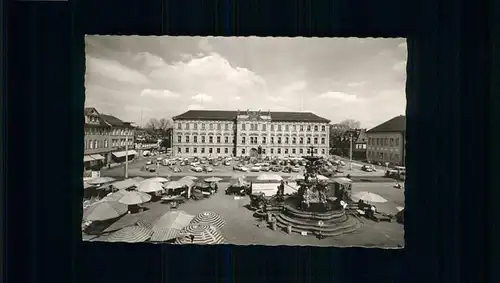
(249, 133)
(387, 141)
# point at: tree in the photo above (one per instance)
(152, 124)
(351, 123)
(165, 124)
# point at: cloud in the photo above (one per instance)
(339, 96)
(195, 107)
(134, 108)
(202, 97)
(295, 86)
(114, 70)
(400, 66)
(237, 97)
(204, 45)
(159, 93)
(150, 60)
(275, 98)
(356, 84)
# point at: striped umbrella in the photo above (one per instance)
(172, 220)
(186, 181)
(113, 196)
(132, 234)
(368, 197)
(125, 184)
(101, 211)
(200, 234)
(134, 197)
(149, 186)
(163, 235)
(209, 218)
(190, 177)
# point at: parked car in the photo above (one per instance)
(194, 164)
(149, 162)
(237, 167)
(296, 169)
(256, 168)
(207, 169)
(203, 161)
(196, 169)
(265, 168)
(244, 169)
(287, 169)
(184, 163)
(177, 170)
(215, 163)
(367, 168)
(227, 163)
(276, 168)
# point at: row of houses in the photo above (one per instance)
(106, 139)
(384, 143)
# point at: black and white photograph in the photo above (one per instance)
(245, 141)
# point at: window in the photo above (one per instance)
(178, 150)
(243, 140)
(195, 126)
(323, 128)
(91, 144)
(187, 138)
(279, 127)
(279, 150)
(195, 139)
(210, 139)
(294, 128)
(272, 150)
(243, 127)
(272, 140)
(187, 126)
(264, 140)
(202, 150)
(294, 140)
(179, 139)
(263, 151)
(219, 127)
(323, 151)
(286, 150)
(95, 144)
(308, 128)
(203, 126)
(195, 150)
(323, 140)
(279, 140)
(226, 139)
(301, 128)
(226, 151)
(315, 150)
(218, 150)
(293, 151)
(218, 139)
(391, 142)
(202, 139)
(242, 151)
(287, 140)
(210, 126)
(308, 140)
(301, 140)
(287, 128)
(226, 127)
(264, 127)
(397, 141)
(301, 151)
(210, 150)
(187, 149)
(105, 143)
(315, 128)
(272, 127)
(179, 126)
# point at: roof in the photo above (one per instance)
(396, 124)
(362, 138)
(91, 111)
(231, 115)
(113, 121)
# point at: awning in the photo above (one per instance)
(97, 157)
(87, 158)
(123, 153)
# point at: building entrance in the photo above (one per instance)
(254, 153)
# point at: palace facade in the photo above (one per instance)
(387, 142)
(249, 133)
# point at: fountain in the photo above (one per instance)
(316, 208)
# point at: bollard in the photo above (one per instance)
(273, 225)
(289, 229)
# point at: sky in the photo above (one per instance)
(136, 78)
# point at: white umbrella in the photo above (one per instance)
(174, 185)
(369, 197)
(159, 180)
(322, 178)
(149, 187)
(269, 177)
(100, 180)
(190, 177)
(213, 179)
(133, 198)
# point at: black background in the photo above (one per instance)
(451, 88)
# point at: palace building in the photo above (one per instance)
(249, 133)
